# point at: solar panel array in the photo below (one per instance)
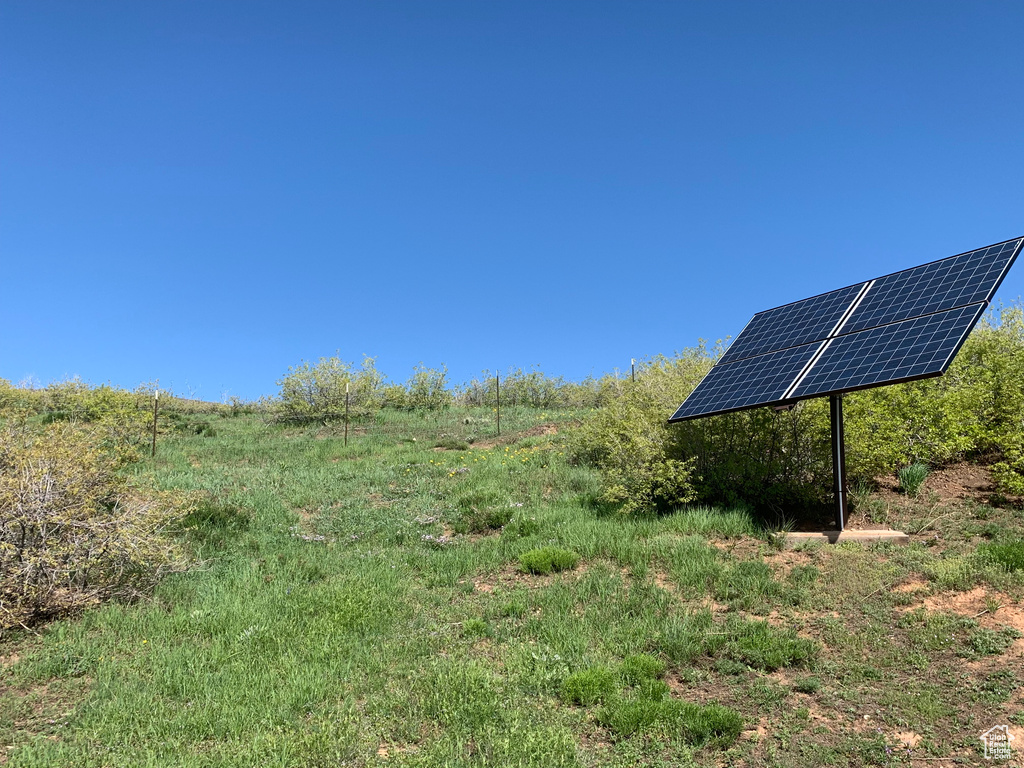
(792, 325)
(903, 326)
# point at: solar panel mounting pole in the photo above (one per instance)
(838, 459)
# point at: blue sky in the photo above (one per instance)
(209, 192)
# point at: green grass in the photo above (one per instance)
(912, 478)
(379, 604)
(548, 560)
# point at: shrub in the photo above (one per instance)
(589, 686)
(782, 461)
(427, 388)
(633, 446)
(548, 560)
(912, 478)
(73, 530)
(316, 392)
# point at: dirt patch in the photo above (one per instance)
(912, 586)
(908, 739)
(955, 482)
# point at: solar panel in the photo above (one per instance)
(791, 325)
(746, 383)
(902, 326)
(954, 282)
(887, 354)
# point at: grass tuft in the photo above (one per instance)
(698, 725)
(912, 478)
(589, 686)
(640, 667)
(548, 560)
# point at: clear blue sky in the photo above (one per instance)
(208, 192)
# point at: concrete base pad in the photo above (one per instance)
(791, 540)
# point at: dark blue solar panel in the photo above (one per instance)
(941, 285)
(746, 383)
(922, 346)
(792, 325)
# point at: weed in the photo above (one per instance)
(988, 642)
(474, 628)
(807, 685)
(762, 646)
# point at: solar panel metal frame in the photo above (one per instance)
(848, 316)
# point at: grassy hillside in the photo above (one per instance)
(414, 600)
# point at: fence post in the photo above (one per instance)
(156, 405)
(632, 369)
(346, 414)
(497, 397)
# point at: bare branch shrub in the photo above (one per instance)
(73, 529)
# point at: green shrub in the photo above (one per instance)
(547, 560)
(317, 392)
(427, 388)
(1008, 554)
(589, 686)
(633, 446)
(74, 530)
(912, 478)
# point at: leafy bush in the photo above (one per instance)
(548, 560)
(630, 441)
(912, 478)
(427, 388)
(589, 686)
(317, 392)
(73, 530)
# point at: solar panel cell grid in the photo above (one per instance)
(909, 349)
(953, 282)
(746, 383)
(792, 325)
